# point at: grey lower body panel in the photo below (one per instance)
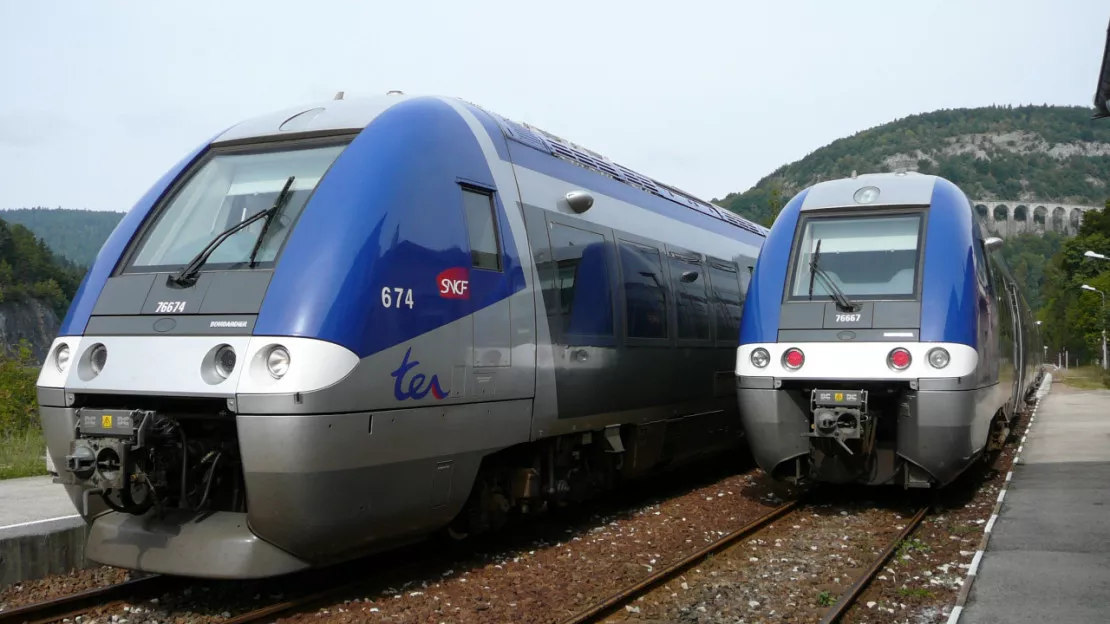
(944, 433)
(212, 545)
(326, 486)
(946, 430)
(320, 488)
(775, 425)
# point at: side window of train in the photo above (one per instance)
(645, 290)
(729, 286)
(690, 283)
(481, 224)
(581, 275)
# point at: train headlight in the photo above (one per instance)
(760, 357)
(899, 359)
(793, 358)
(225, 361)
(277, 361)
(98, 357)
(61, 358)
(938, 357)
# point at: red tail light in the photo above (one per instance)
(899, 359)
(794, 358)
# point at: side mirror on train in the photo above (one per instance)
(992, 243)
(689, 276)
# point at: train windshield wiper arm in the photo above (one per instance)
(279, 203)
(187, 276)
(842, 300)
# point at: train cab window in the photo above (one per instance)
(689, 281)
(229, 188)
(645, 291)
(485, 248)
(867, 257)
(728, 300)
(582, 281)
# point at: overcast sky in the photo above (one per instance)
(98, 98)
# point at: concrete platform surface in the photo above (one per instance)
(1048, 559)
(40, 531)
(32, 499)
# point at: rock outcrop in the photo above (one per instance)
(30, 320)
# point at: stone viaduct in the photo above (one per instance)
(1006, 218)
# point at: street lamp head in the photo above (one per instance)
(1091, 254)
(1086, 287)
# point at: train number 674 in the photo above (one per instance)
(387, 296)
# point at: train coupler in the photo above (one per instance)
(838, 414)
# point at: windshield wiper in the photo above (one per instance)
(188, 274)
(279, 203)
(842, 301)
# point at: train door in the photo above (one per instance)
(578, 284)
(491, 351)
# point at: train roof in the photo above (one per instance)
(345, 115)
(894, 189)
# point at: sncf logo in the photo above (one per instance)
(454, 283)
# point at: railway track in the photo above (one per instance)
(72, 605)
(599, 610)
(602, 609)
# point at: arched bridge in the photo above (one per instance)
(1006, 218)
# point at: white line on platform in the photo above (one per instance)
(23, 524)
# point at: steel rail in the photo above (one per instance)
(849, 598)
(72, 605)
(626, 595)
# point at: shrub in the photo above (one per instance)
(18, 405)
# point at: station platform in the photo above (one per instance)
(40, 531)
(1047, 557)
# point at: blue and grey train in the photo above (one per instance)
(336, 329)
(884, 340)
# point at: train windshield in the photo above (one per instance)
(228, 189)
(867, 257)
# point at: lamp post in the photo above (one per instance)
(1091, 254)
(1093, 289)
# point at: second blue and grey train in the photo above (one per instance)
(884, 340)
(338, 328)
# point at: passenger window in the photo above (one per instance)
(644, 291)
(582, 280)
(690, 298)
(485, 249)
(728, 300)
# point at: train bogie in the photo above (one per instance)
(335, 329)
(884, 340)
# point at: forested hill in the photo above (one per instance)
(1050, 153)
(76, 235)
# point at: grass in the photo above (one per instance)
(22, 454)
(1081, 377)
